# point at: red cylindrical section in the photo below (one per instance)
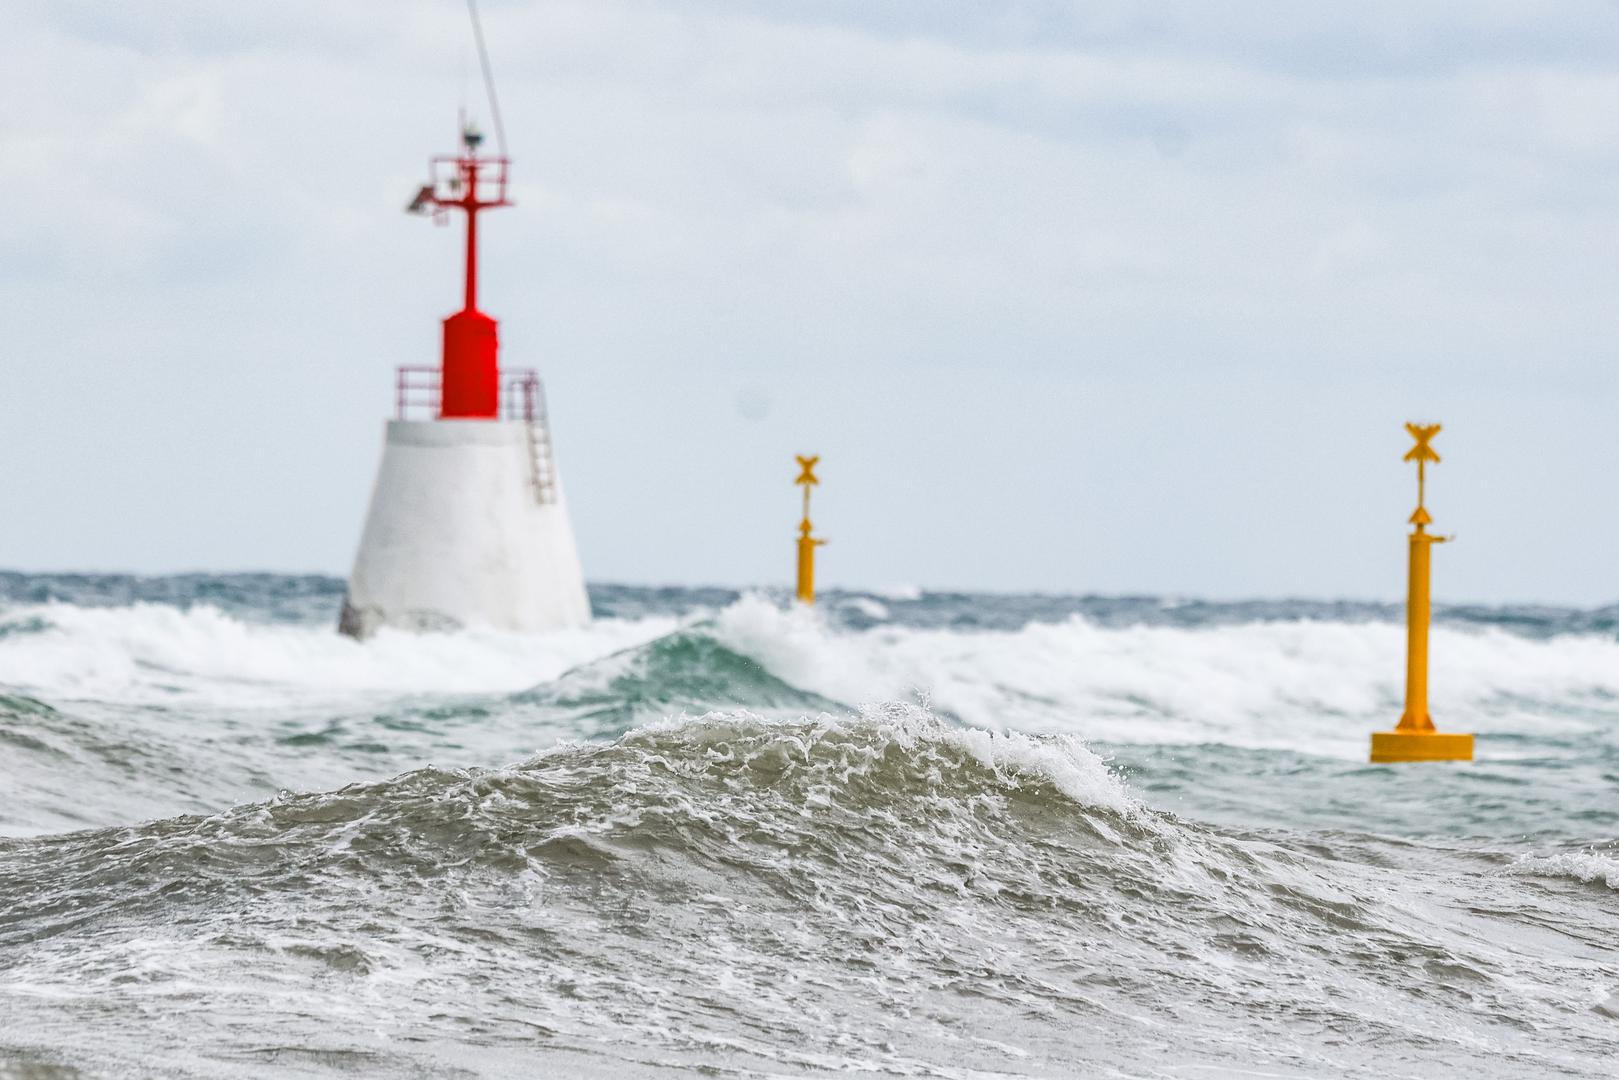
(471, 383)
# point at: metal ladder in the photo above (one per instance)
(542, 461)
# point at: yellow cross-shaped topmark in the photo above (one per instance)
(807, 477)
(1424, 434)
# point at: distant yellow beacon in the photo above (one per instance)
(807, 543)
(1415, 739)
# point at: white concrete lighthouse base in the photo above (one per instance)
(459, 535)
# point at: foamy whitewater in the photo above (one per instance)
(717, 835)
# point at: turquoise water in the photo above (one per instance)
(912, 834)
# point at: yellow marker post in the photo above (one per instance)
(1415, 739)
(807, 543)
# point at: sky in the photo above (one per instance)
(1108, 297)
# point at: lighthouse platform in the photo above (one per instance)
(468, 524)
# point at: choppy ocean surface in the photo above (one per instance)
(712, 835)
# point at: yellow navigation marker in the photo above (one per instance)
(1415, 739)
(806, 543)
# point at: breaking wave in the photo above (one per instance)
(1591, 867)
(157, 652)
(1284, 683)
(684, 673)
(756, 885)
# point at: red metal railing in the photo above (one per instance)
(416, 393)
(417, 389)
(522, 397)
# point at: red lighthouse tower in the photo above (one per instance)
(469, 379)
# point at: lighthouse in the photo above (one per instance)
(468, 525)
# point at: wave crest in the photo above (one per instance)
(891, 779)
(1590, 866)
(686, 672)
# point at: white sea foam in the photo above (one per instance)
(155, 652)
(871, 609)
(1062, 761)
(898, 592)
(1073, 768)
(1319, 687)
(1586, 866)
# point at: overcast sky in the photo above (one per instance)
(1112, 297)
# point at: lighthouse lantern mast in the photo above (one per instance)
(469, 382)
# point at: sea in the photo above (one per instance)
(718, 834)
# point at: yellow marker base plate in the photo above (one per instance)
(1421, 746)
